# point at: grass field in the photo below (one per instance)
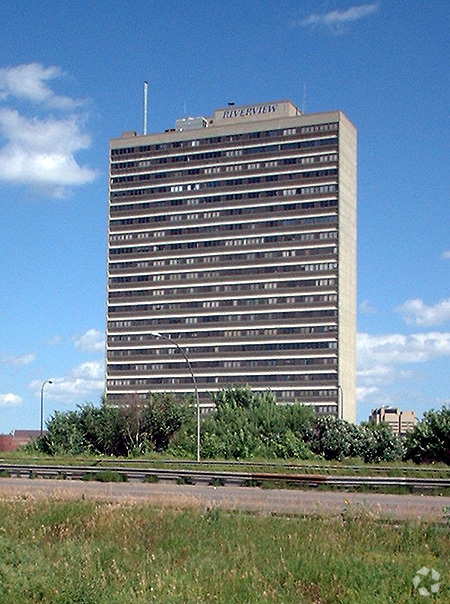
(80, 552)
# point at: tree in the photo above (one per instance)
(163, 417)
(382, 444)
(64, 435)
(101, 428)
(430, 439)
(150, 424)
(336, 439)
(137, 427)
(331, 438)
(301, 420)
(248, 424)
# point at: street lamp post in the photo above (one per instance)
(42, 404)
(194, 381)
(340, 402)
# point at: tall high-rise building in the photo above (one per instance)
(234, 236)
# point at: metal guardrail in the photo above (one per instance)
(320, 468)
(224, 477)
(375, 469)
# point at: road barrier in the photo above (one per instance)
(218, 477)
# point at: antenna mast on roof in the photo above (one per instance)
(145, 106)
(304, 98)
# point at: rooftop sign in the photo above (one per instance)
(256, 112)
(248, 111)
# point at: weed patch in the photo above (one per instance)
(104, 476)
(151, 478)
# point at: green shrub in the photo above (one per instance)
(430, 439)
(151, 479)
(134, 429)
(105, 476)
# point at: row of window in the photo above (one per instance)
(226, 272)
(240, 182)
(220, 213)
(220, 169)
(227, 333)
(284, 396)
(232, 289)
(326, 410)
(292, 238)
(230, 303)
(225, 380)
(274, 150)
(223, 348)
(315, 380)
(225, 258)
(243, 364)
(237, 182)
(226, 139)
(319, 315)
(328, 219)
(262, 196)
(209, 200)
(176, 188)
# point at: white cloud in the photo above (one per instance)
(10, 400)
(40, 148)
(364, 392)
(84, 381)
(391, 349)
(40, 152)
(24, 359)
(381, 375)
(336, 19)
(446, 255)
(92, 340)
(415, 312)
(366, 308)
(29, 82)
(381, 362)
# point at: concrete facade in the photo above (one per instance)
(400, 421)
(235, 237)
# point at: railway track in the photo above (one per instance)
(222, 478)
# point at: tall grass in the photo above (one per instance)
(80, 552)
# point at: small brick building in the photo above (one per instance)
(17, 438)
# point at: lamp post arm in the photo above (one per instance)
(188, 364)
(194, 381)
(42, 403)
(197, 399)
(340, 402)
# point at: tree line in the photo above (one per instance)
(244, 425)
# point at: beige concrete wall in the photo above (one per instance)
(347, 268)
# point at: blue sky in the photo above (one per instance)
(71, 77)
